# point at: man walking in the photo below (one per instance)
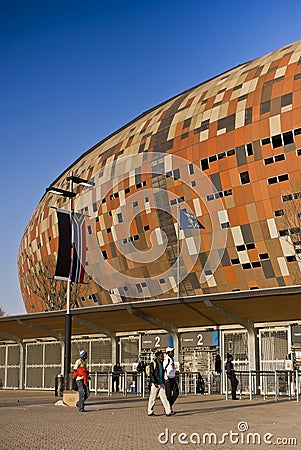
(231, 376)
(157, 385)
(171, 385)
(81, 375)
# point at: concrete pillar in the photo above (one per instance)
(177, 347)
(253, 353)
(253, 349)
(115, 356)
(22, 366)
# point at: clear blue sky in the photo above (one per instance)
(72, 72)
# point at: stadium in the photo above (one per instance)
(187, 223)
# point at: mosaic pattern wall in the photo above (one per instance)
(228, 152)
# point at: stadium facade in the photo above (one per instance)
(197, 197)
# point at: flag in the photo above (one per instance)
(79, 248)
(63, 262)
(188, 220)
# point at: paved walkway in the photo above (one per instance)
(31, 421)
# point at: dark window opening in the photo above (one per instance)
(268, 160)
(288, 138)
(265, 141)
(205, 125)
(283, 177)
(176, 174)
(225, 225)
(187, 123)
(248, 116)
(235, 261)
(283, 232)
(231, 152)
(190, 169)
(244, 177)
(218, 194)
(286, 198)
(249, 149)
(265, 107)
(277, 141)
(250, 246)
(204, 164)
(291, 258)
(264, 256)
(256, 264)
(286, 100)
(280, 157)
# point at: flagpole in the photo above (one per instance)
(68, 317)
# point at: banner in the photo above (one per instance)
(79, 248)
(63, 262)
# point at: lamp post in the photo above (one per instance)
(68, 317)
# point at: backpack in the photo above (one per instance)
(147, 368)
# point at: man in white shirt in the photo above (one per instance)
(171, 385)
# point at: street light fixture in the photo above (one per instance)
(68, 317)
(82, 181)
(58, 191)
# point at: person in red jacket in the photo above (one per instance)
(81, 375)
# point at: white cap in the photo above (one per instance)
(169, 349)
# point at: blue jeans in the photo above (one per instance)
(84, 393)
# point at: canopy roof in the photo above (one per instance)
(244, 308)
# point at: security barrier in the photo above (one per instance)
(275, 384)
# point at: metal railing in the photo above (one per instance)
(276, 384)
(128, 383)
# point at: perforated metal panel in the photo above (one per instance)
(9, 366)
(42, 364)
(101, 352)
(34, 377)
(236, 343)
(273, 348)
(2, 355)
(53, 353)
(129, 351)
(13, 357)
(2, 377)
(13, 374)
(34, 354)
